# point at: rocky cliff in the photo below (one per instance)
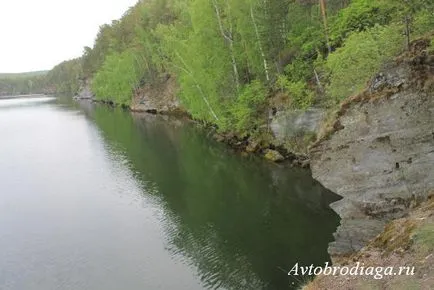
(157, 98)
(84, 91)
(379, 153)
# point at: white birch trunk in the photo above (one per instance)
(230, 40)
(197, 86)
(252, 15)
(318, 81)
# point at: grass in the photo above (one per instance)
(424, 238)
(396, 235)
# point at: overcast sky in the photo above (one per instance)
(38, 34)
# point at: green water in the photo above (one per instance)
(99, 198)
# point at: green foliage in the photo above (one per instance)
(228, 56)
(300, 96)
(22, 83)
(423, 22)
(305, 34)
(244, 113)
(431, 47)
(360, 16)
(424, 237)
(299, 70)
(118, 77)
(64, 78)
(362, 55)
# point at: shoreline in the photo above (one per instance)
(345, 159)
(241, 145)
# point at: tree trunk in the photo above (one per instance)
(318, 81)
(252, 15)
(324, 18)
(197, 86)
(230, 40)
(407, 33)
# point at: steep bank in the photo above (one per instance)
(84, 91)
(285, 141)
(249, 68)
(157, 98)
(405, 242)
(379, 152)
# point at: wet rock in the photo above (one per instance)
(159, 98)
(305, 163)
(219, 137)
(273, 155)
(252, 146)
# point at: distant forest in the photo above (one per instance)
(23, 83)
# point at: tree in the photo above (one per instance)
(364, 52)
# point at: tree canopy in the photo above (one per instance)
(231, 57)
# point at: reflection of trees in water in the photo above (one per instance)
(303, 187)
(240, 222)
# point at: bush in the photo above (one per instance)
(359, 16)
(300, 96)
(117, 78)
(362, 55)
(299, 70)
(245, 111)
(423, 22)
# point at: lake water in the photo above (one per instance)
(99, 198)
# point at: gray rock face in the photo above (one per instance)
(84, 92)
(381, 162)
(289, 124)
(157, 99)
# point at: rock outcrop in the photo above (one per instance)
(273, 155)
(405, 242)
(295, 129)
(159, 98)
(380, 155)
(84, 92)
(289, 124)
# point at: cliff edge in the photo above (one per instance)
(379, 152)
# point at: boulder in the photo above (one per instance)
(273, 155)
(286, 125)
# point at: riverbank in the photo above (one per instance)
(378, 154)
(161, 100)
(405, 242)
(130, 191)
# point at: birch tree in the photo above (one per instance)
(228, 36)
(324, 17)
(259, 42)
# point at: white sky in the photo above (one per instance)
(38, 34)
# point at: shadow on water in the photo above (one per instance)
(242, 222)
